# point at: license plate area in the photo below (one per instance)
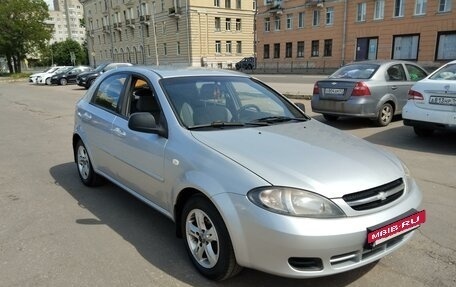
(445, 101)
(391, 229)
(332, 91)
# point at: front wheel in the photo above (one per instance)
(385, 115)
(84, 165)
(48, 81)
(207, 240)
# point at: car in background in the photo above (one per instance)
(45, 78)
(370, 89)
(32, 77)
(432, 102)
(248, 178)
(247, 63)
(69, 77)
(86, 79)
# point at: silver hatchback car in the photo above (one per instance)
(248, 178)
(370, 89)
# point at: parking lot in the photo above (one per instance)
(56, 232)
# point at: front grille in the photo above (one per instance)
(375, 197)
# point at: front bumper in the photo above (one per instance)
(305, 247)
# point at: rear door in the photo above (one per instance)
(398, 84)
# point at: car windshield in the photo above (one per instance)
(99, 68)
(227, 102)
(446, 73)
(355, 71)
(63, 70)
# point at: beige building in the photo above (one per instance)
(213, 33)
(65, 20)
(301, 34)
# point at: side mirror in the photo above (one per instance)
(145, 123)
(301, 106)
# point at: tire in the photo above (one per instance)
(63, 81)
(207, 241)
(89, 83)
(48, 81)
(330, 118)
(423, 132)
(385, 115)
(84, 166)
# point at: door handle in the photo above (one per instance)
(119, 132)
(85, 116)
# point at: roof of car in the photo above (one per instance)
(172, 72)
(378, 62)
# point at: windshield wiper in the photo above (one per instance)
(279, 119)
(222, 124)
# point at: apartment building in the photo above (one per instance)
(65, 20)
(213, 33)
(301, 34)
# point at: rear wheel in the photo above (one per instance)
(385, 115)
(330, 118)
(207, 240)
(84, 165)
(423, 132)
(63, 81)
(89, 83)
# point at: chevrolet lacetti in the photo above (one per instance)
(248, 178)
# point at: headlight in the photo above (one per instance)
(83, 78)
(294, 202)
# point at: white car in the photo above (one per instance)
(432, 102)
(33, 77)
(45, 78)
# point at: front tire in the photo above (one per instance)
(48, 81)
(207, 240)
(84, 165)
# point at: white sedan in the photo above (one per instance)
(45, 78)
(432, 102)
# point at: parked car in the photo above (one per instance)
(432, 102)
(45, 78)
(86, 79)
(69, 77)
(369, 89)
(247, 63)
(32, 78)
(248, 178)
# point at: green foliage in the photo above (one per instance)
(61, 52)
(22, 28)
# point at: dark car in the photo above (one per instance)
(247, 63)
(370, 89)
(87, 78)
(69, 76)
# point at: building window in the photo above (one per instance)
(315, 48)
(301, 20)
(288, 50)
(420, 7)
(266, 51)
(238, 47)
(227, 3)
(405, 47)
(300, 51)
(277, 23)
(238, 4)
(218, 47)
(328, 48)
(361, 12)
(289, 21)
(228, 24)
(267, 24)
(379, 9)
(228, 47)
(446, 46)
(217, 24)
(444, 5)
(216, 3)
(178, 48)
(165, 50)
(238, 24)
(399, 6)
(277, 50)
(329, 15)
(316, 18)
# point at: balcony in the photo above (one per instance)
(106, 29)
(315, 3)
(144, 18)
(130, 23)
(174, 12)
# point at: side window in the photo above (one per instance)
(143, 99)
(109, 91)
(415, 72)
(396, 73)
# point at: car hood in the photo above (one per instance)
(85, 74)
(309, 155)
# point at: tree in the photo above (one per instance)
(22, 30)
(61, 52)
